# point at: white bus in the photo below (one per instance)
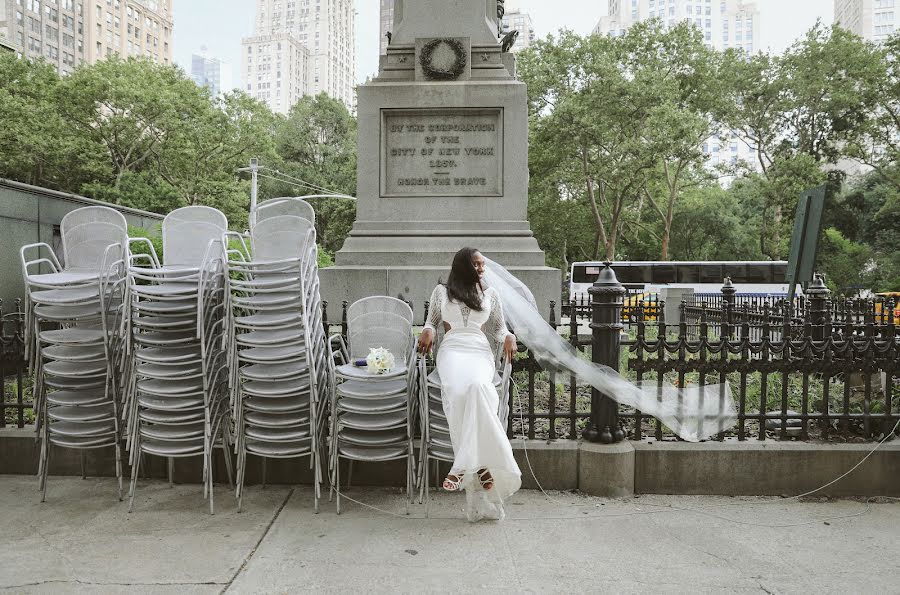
(757, 278)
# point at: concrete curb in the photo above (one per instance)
(748, 468)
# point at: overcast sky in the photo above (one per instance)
(220, 24)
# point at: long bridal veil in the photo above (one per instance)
(692, 412)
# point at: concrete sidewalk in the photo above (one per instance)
(83, 540)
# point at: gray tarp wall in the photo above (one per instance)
(29, 214)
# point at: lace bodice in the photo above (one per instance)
(490, 319)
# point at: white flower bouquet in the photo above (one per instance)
(379, 361)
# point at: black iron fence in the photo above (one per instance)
(16, 402)
(819, 368)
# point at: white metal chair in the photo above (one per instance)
(277, 354)
(278, 207)
(373, 415)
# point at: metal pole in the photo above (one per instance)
(607, 296)
(818, 294)
(254, 189)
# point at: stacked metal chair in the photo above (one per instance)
(72, 318)
(276, 207)
(435, 443)
(176, 375)
(372, 416)
(278, 349)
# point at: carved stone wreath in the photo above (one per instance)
(440, 74)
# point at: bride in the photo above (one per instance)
(470, 312)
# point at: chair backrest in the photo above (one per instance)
(277, 207)
(187, 233)
(87, 233)
(379, 321)
(278, 238)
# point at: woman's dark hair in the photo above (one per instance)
(462, 284)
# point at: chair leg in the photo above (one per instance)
(81, 458)
(264, 472)
(119, 465)
(135, 470)
(171, 467)
(349, 473)
(226, 452)
(337, 485)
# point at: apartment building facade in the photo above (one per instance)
(875, 20)
(300, 47)
(67, 33)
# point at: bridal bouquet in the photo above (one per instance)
(379, 361)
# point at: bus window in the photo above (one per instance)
(585, 274)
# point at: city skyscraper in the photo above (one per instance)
(875, 20)
(68, 32)
(211, 72)
(724, 23)
(516, 20)
(387, 21)
(300, 47)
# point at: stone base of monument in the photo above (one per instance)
(415, 284)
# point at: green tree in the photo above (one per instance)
(36, 146)
(316, 150)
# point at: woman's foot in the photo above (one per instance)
(452, 482)
(486, 479)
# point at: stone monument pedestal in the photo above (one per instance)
(442, 161)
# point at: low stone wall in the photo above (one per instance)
(619, 470)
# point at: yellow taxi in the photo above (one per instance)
(880, 307)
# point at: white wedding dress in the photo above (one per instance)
(467, 369)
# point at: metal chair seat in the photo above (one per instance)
(63, 353)
(173, 432)
(442, 453)
(359, 389)
(280, 299)
(75, 369)
(156, 416)
(164, 322)
(278, 318)
(166, 308)
(67, 277)
(268, 280)
(268, 355)
(440, 435)
(279, 405)
(267, 338)
(374, 421)
(158, 338)
(349, 371)
(265, 434)
(73, 336)
(279, 371)
(100, 412)
(76, 397)
(166, 290)
(279, 449)
(89, 429)
(74, 312)
(276, 420)
(173, 449)
(369, 438)
(72, 296)
(368, 406)
(173, 386)
(187, 371)
(171, 404)
(169, 355)
(276, 388)
(82, 442)
(374, 453)
(65, 383)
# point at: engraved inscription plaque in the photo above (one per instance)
(446, 152)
